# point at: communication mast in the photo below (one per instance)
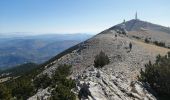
(136, 16)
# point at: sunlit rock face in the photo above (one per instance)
(110, 86)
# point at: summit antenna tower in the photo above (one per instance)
(136, 15)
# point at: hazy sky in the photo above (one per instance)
(74, 16)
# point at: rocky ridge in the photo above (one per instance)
(118, 79)
(104, 85)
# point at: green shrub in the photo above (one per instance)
(159, 43)
(61, 73)
(42, 81)
(101, 59)
(146, 40)
(4, 92)
(62, 92)
(22, 89)
(158, 74)
(63, 85)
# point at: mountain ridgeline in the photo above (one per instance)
(105, 67)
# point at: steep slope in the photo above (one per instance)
(117, 48)
(118, 79)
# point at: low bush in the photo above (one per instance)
(158, 74)
(62, 84)
(42, 81)
(162, 44)
(146, 40)
(101, 59)
(4, 93)
(62, 92)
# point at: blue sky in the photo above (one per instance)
(77, 16)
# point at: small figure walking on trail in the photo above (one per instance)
(115, 35)
(130, 46)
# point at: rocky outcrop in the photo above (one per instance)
(110, 86)
(42, 94)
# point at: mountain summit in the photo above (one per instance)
(145, 30)
(137, 25)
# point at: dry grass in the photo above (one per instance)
(154, 35)
(153, 48)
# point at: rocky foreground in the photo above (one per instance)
(101, 84)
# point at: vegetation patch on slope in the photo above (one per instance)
(158, 75)
(100, 60)
(27, 85)
(18, 70)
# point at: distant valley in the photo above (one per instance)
(20, 49)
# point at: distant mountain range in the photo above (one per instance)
(19, 49)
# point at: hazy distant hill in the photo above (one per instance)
(16, 50)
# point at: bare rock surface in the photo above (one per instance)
(42, 94)
(112, 86)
